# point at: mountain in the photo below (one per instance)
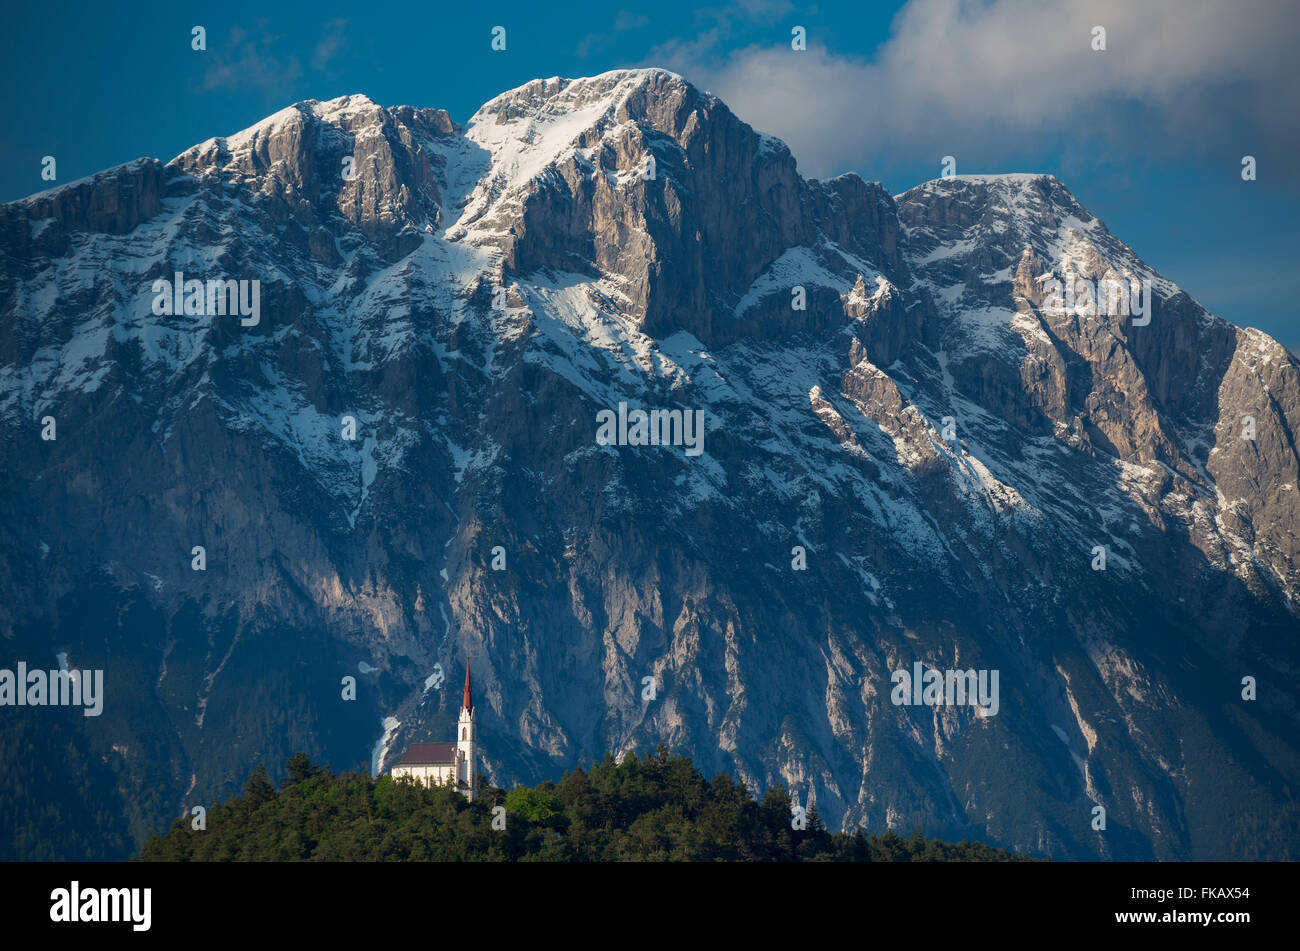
(937, 459)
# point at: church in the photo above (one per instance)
(435, 764)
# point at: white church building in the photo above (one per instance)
(435, 764)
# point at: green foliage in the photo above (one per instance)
(539, 806)
(653, 808)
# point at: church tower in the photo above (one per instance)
(465, 738)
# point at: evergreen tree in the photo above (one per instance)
(258, 789)
(299, 768)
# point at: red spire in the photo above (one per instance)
(468, 702)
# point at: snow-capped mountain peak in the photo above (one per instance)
(908, 452)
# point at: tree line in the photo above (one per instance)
(656, 807)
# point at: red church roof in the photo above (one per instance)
(468, 701)
(428, 754)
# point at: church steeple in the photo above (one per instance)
(465, 740)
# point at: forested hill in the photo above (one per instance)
(651, 808)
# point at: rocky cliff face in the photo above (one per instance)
(913, 452)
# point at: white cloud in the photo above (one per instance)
(329, 45)
(1004, 77)
(248, 59)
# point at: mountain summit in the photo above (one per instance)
(963, 428)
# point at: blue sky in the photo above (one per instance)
(1149, 133)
